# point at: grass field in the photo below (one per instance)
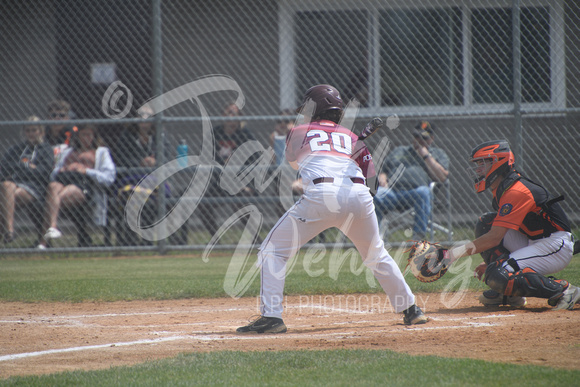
(309, 368)
(175, 277)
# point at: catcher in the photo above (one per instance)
(527, 238)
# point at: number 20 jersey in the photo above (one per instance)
(326, 149)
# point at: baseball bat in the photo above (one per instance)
(373, 125)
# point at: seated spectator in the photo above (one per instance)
(58, 135)
(80, 178)
(278, 135)
(24, 172)
(136, 147)
(421, 164)
(278, 144)
(228, 137)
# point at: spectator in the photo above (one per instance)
(25, 170)
(278, 144)
(228, 137)
(79, 178)
(423, 163)
(137, 147)
(278, 136)
(58, 135)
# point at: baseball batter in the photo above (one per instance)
(334, 166)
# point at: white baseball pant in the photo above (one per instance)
(342, 204)
(545, 256)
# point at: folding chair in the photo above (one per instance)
(441, 205)
(403, 217)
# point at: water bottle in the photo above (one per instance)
(279, 148)
(182, 150)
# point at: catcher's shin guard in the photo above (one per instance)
(522, 283)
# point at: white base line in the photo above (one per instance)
(89, 347)
(491, 316)
(201, 337)
(469, 326)
(42, 319)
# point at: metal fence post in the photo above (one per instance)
(517, 84)
(157, 36)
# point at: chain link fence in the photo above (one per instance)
(202, 163)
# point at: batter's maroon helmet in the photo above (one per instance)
(326, 98)
(494, 159)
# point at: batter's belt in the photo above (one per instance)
(318, 180)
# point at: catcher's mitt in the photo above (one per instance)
(428, 261)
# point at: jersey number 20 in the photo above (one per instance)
(321, 141)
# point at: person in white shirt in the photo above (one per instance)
(80, 177)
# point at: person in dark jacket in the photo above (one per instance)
(24, 172)
(137, 146)
(136, 151)
(228, 138)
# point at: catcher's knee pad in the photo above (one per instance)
(522, 283)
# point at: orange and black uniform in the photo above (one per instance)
(527, 207)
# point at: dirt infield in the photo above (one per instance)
(46, 338)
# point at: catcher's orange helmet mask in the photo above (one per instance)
(492, 159)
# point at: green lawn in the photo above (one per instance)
(309, 368)
(173, 277)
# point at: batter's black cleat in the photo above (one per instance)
(414, 315)
(264, 325)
